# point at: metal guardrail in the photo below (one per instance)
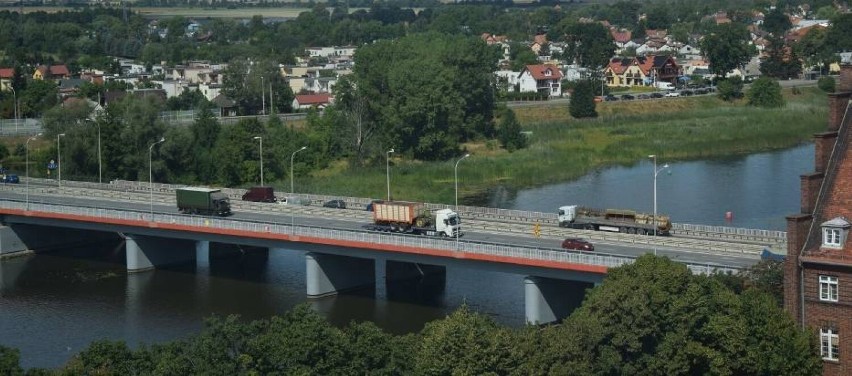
(461, 247)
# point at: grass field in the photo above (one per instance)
(562, 148)
(192, 12)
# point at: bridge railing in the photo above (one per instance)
(767, 237)
(462, 247)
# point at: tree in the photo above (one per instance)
(776, 22)
(464, 343)
(727, 47)
(730, 88)
(815, 50)
(588, 44)
(782, 61)
(826, 84)
(10, 361)
(428, 116)
(655, 317)
(582, 103)
(839, 35)
(765, 92)
(509, 132)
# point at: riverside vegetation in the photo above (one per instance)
(561, 148)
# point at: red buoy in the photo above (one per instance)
(729, 216)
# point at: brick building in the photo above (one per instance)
(818, 270)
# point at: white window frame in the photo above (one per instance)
(831, 237)
(828, 288)
(829, 344)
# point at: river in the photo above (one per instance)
(54, 305)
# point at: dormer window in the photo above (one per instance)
(548, 72)
(835, 232)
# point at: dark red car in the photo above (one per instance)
(577, 244)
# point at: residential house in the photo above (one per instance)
(210, 91)
(226, 106)
(621, 37)
(541, 78)
(641, 70)
(95, 108)
(507, 80)
(818, 268)
(6, 77)
(69, 87)
(53, 72)
(307, 101)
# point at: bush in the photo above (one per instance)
(826, 84)
(730, 88)
(583, 101)
(765, 92)
(526, 96)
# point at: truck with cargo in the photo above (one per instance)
(202, 200)
(260, 194)
(614, 220)
(414, 218)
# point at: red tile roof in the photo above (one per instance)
(308, 99)
(540, 71)
(7, 72)
(621, 36)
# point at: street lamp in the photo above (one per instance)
(260, 139)
(262, 96)
(291, 167)
(456, 175)
(151, 174)
(27, 166)
(15, 105)
(456, 179)
(100, 163)
(59, 160)
(656, 172)
(387, 169)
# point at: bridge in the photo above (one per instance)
(340, 255)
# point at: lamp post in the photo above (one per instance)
(15, 105)
(656, 172)
(100, 163)
(456, 180)
(262, 96)
(291, 167)
(27, 166)
(260, 139)
(387, 169)
(151, 174)
(59, 160)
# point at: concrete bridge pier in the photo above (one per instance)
(146, 252)
(331, 274)
(548, 300)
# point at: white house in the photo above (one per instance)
(541, 78)
(507, 80)
(306, 101)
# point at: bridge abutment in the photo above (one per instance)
(147, 252)
(331, 274)
(548, 300)
(202, 256)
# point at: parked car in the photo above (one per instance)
(577, 244)
(643, 96)
(11, 178)
(610, 98)
(627, 97)
(700, 91)
(672, 94)
(656, 95)
(337, 204)
(686, 92)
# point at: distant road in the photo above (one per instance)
(565, 101)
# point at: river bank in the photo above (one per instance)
(562, 149)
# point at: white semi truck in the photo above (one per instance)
(414, 218)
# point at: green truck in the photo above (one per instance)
(202, 200)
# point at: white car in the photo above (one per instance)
(672, 94)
